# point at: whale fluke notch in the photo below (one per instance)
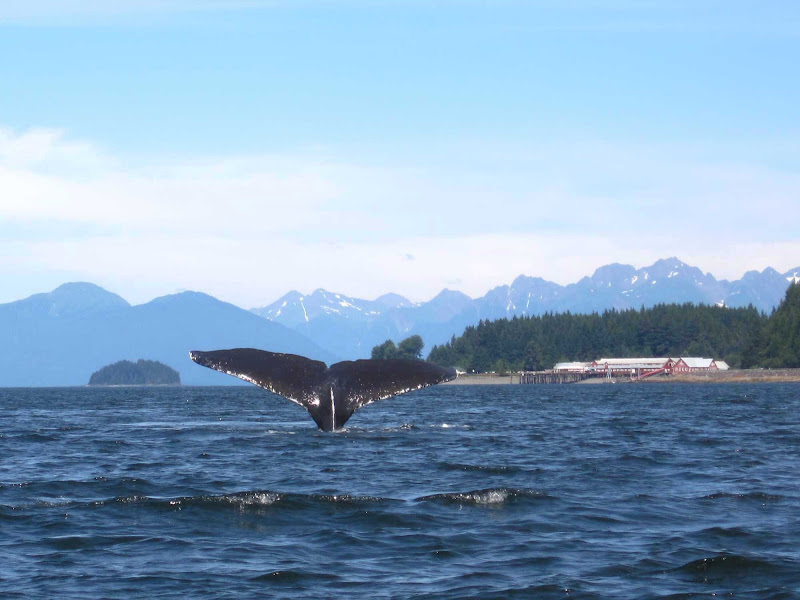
(332, 394)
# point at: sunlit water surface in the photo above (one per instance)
(607, 491)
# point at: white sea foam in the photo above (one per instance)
(252, 499)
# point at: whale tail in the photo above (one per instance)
(332, 394)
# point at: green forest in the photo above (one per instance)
(409, 348)
(777, 345)
(141, 372)
(743, 337)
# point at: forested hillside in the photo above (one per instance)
(778, 345)
(535, 343)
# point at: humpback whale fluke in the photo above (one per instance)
(332, 394)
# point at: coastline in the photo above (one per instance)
(131, 385)
(484, 379)
(707, 377)
(732, 376)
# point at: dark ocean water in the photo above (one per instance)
(607, 491)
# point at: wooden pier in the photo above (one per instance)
(549, 377)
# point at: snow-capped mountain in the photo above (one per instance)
(621, 286)
(350, 327)
(525, 296)
(294, 309)
(342, 321)
(764, 290)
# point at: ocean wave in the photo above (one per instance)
(11, 513)
(59, 484)
(74, 492)
(393, 429)
(725, 532)
(125, 500)
(294, 576)
(248, 499)
(243, 501)
(240, 500)
(647, 460)
(726, 566)
(334, 499)
(36, 436)
(267, 499)
(488, 496)
(83, 542)
(760, 496)
(492, 469)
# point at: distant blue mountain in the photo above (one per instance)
(66, 300)
(62, 337)
(350, 327)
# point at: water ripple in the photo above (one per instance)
(625, 492)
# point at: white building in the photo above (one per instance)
(688, 364)
(638, 367)
(628, 366)
(572, 367)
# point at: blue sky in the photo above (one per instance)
(249, 148)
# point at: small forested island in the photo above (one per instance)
(141, 372)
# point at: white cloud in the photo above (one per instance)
(48, 149)
(254, 272)
(248, 229)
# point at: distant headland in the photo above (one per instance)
(141, 372)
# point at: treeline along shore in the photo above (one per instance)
(743, 337)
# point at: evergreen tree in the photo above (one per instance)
(409, 348)
(779, 346)
(535, 343)
(385, 350)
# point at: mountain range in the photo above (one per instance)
(62, 337)
(350, 327)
